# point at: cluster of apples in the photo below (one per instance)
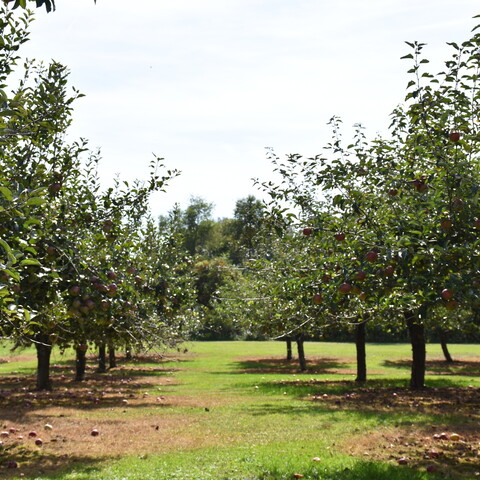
(32, 434)
(96, 294)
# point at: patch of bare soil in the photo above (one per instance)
(452, 454)
(451, 451)
(436, 401)
(107, 416)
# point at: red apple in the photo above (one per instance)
(393, 192)
(74, 290)
(446, 224)
(39, 442)
(457, 204)
(107, 225)
(339, 237)
(371, 256)
(345, 288)
(54, 188)
(326, 278)
(447, 294)
(111, 275)
(94, 432)
(32, 434)
(389, 270)
(361, 276)
(318, 298)
(476, 224)
(431, 468)
(105, 304)
(307, 231)
(454, 136)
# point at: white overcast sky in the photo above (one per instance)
(208, 84)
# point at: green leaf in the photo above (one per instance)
(30, 261)
(36, 201)
(11, 257)
(6, 192)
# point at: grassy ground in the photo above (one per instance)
(239, 411)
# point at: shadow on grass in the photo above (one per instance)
(315, 365)
(358, 471)
(440, 367)
(122, 386)
(385, 397)
(32, 465)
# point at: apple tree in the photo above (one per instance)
(405, 206)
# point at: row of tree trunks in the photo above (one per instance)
(81, 361)
(416, 332)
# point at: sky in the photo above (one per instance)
(209, 85)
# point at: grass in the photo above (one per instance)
(239, 411)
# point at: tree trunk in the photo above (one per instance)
(112, 361)
(443, 343)
(44, 349)
(301, 353)
(102, 358)
(80, 363)
(288, 341)
(360, 335)
(416, 331)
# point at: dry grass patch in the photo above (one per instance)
(434, 401)
(129, 407)
(434, 449)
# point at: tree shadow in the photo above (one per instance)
(121, 386)
(55, 466)
(315, 365)
(441, 367)
(360, 470)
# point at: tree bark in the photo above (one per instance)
(288, 341)
(443, 343)
(112, 361)
(102, 358)
(416, 331)
(80, 364)
(301, 353)
(44, 349)
(360, 336)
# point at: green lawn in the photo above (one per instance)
(238, 411)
